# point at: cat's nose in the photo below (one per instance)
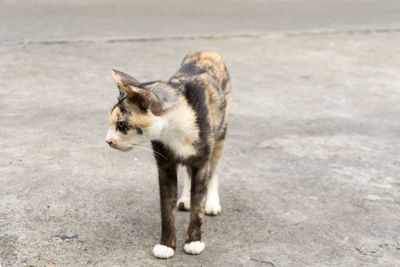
(109, 141)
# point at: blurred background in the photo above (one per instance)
(310, 174)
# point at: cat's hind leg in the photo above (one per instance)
(184, 201)
(213, 206)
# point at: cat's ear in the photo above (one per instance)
(144, 99)
(123, 79)
(129, 87)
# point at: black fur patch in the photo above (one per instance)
(138, 130)
(196, 97)
(139, 101)
(123, 127)
(120, 103)
(192, 69)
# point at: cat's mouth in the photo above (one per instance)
(123, 148)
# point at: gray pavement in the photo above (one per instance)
(311, 171)
(44, 20)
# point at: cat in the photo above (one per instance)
(185, 119)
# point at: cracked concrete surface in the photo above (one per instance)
(310, 175)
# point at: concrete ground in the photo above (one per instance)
(311, 171)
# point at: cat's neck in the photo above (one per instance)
(180, 131)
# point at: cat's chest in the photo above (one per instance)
(181, 131)
(181, 147)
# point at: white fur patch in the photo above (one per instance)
(212, 204)
(212, 208)
(112, 133)
(163, 252)
(195, 247)
(124, 142)
(185, 197)
(153, 132)
(185, 201)
(180, 131)
(175, 141)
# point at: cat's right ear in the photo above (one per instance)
(129, 88)
(123, 81)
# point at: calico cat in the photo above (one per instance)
(186, 121)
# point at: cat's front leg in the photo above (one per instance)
(200, 176)
(168, 193)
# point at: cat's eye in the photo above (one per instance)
(123, 127)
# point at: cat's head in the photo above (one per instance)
(137, 116)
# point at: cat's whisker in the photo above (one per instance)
(150, 150)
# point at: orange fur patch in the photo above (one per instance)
(134, 116)
(142, 120)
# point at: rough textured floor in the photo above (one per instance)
(310, 175)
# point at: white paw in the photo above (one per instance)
(195, 247)
(163, 252)
(213, 208)
(183, 203)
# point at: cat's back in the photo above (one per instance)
(203, 61)
(204, 67)
(205, 71)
